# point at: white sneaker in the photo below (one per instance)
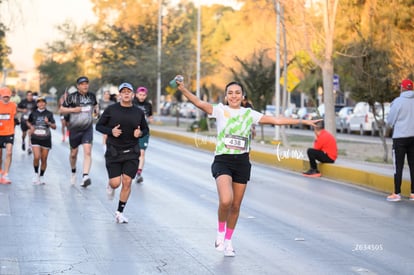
(110, 192)
(42, 180)
(36, 179)
(5, 179)
(86, 181)
(120, 218)
(219, 243)
(73, 179)
(228, 249)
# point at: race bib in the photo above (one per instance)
(235, 142)
(40, 132)
(26, 117)
(4, 116)
(86, 108)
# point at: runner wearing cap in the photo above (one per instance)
(123, 124)
(400, 118)
(80, 105)
(8, 112)
(40, 122)
(142, 103)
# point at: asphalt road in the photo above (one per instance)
(288, 224)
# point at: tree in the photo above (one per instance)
(258, 79)
(317, 31)
(371, 66)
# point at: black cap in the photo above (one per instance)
(82, 79)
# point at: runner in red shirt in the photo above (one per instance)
(8, 111)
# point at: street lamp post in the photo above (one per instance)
(198, 56)
(159, 57)
(277, 71)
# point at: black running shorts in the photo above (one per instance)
(6, 139)
(45, 143)
(77, 138)
(121, 162)
(238, 167)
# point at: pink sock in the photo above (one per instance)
(229, 233)
(221, 226)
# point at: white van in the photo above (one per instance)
(362, 119)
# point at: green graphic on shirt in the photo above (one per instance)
(239, 125)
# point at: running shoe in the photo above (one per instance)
(120, 218)
(139, 178)
(228, 249)
(411, 198)
(110, 192)
(29, 150)
(86, 181)
(42, 180)
(312, 173)
(219, 243)
(73, 179)
(36, 179)
(394, 197)
(5, 179)
(23, 146)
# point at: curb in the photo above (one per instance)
(358, 177)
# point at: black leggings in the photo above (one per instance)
(400, 148)
(318, 155)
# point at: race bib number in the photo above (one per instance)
(4, 116)
(26, 117)
(86, 108)
(40, 132)
(235, 142)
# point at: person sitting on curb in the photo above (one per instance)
(324, 150)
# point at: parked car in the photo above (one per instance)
(188, 110)
(321, 109)
(165, 108)
(270, 110)
(342, 118)
(307, 113)
(362, 119)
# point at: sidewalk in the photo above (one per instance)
(375, 176)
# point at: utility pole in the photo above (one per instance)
(277, 71)
(198, 56)
(159, 57)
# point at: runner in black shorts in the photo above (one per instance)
(231, 166)
(7, 117)
(40, 122)
(236, 166)
(124, 124)
(80, 105)
(26, 107)
(140, 101)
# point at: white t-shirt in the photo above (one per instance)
(234, 128)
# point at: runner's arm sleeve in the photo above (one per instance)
(101, 125)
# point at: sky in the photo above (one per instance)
(32, 24)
